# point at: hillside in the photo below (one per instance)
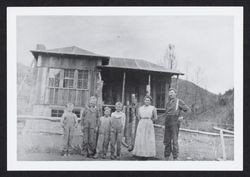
(208, 109)
(196, 97)
(23, 95)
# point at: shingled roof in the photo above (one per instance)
(112, 62)
(72, 50)
(138, 64)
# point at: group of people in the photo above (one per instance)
(100, 131)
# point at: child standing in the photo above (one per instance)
(89, 127)
(69, 123)
(103, 134)
(117, 130)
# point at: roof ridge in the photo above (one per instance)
(139, 59)
(71, 49)
(140, 64)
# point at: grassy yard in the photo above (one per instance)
(47, 147)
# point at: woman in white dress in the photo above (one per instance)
(145, 135)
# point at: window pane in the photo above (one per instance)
(86, 75)
(71, 74)
(71, 83)
(79, 84)
(57, 81)
(68, 81)
(82, 82)
(80, 74)
(60, 113)
(65, 83)
(51, 82)
(66, 73)
(85, 84)
(54, 77)
(77, 112)
(56, 113)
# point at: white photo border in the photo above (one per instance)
(13, 164)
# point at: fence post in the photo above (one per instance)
(223, 145)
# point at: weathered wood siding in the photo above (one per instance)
(168, 85)
(61, 96)
(85, 62)
(136, 82)
(40, 85)
(160, 85)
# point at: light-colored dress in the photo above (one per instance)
(145, 135)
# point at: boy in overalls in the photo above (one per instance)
(103, 134)
(89, 127)
(117, 130)
(68, 122)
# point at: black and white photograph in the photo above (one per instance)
(130, 88)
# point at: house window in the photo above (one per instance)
(68, 80)
(54, 77)
(77, 112)
(82, 82)
(53, 84)
(57, 112)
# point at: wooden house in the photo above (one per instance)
(72, 74)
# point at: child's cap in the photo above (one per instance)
(148, 96)
(107, 108)
(69, 104)
(173, 89)
(92, 98)
(118, 103)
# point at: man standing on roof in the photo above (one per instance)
(174, 108)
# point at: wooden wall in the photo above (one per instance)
(135, 83)
(58, 61)
(78, 97)
(160, 84)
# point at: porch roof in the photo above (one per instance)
(138, 64)
(110, 62)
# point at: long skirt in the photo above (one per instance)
(145, 139)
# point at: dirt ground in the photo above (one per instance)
(193, 147)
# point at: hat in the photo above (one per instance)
(173, 90)
(148, 96)
(107, 108)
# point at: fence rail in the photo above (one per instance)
(57, 119)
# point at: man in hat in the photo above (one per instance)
(174, 108)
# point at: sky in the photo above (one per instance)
(202, 43)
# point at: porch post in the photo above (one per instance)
(98, 91)
(149, 85)
(177, 82)
(123, 86)
(168, 85)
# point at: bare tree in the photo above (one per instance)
(197, 80)
(169, 59)
(186, 85)
(199, 95)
